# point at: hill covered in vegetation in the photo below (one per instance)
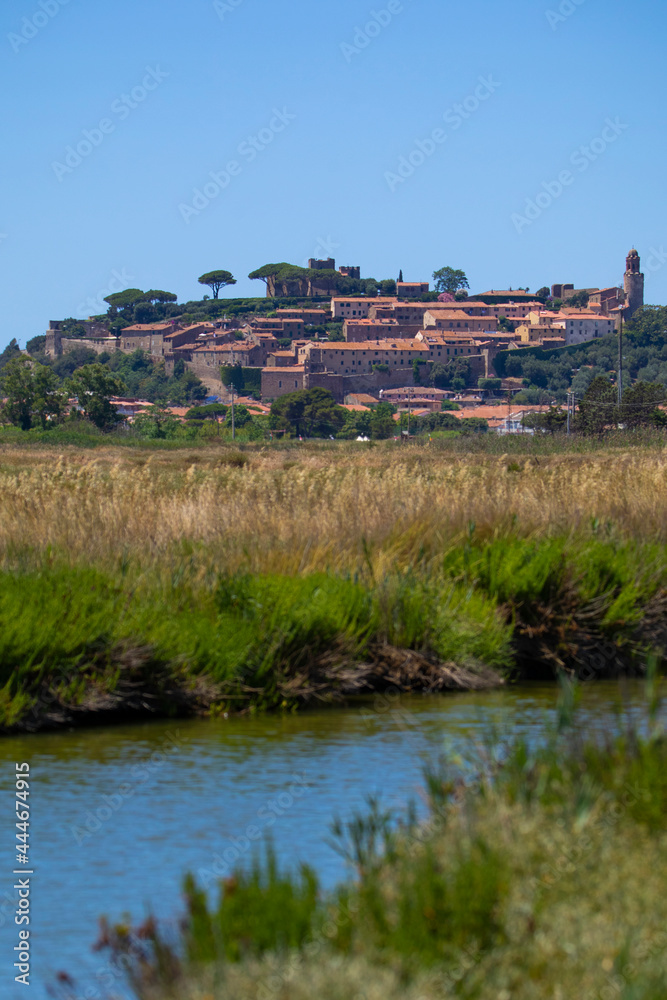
(550, 374)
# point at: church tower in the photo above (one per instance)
(633, 283)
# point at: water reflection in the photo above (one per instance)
(120, 814)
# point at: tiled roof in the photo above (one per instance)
(374, 345)
(290, 370)
(145, 327)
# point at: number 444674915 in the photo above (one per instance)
(22, 813)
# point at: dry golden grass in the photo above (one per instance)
(313, 508)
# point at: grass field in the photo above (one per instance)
(162, 579)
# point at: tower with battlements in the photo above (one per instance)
(633, 284)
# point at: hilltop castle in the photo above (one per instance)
(612, 301)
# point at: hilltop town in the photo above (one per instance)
(405, 343)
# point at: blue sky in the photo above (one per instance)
(315, 118)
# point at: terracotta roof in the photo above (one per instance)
(415, 413)
(508, 291)
(144, 327)
(226, 348)
(189, 329)
(584, 315)
(373, 345)
(362, 298)
(371, 322)
(457, 313)
(290, 370)
(500, 412)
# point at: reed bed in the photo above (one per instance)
(273, 510)
(185, 580)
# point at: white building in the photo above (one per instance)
(582, 327)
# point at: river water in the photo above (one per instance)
(120, 814)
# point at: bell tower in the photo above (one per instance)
(633, 284)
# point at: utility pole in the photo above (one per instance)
(570, 404)
(620, 363)
(232, 388)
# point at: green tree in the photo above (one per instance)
(640, 404)
(217, 280)
(66, 364)
(648, 327)
(17, 383)
(552, 421)
(144, 312)
(212, 411)
(36, 344)
(598, 409)
(157, 296)
(449, 279)
(124, 300)
(72, 329)
(268, 273)
(311, 412)
(442, 376)
(50, 398)
(156, 422)
(383, 425)
(543, 293)
(12, 350)
(33, 393)
(93, 385)
(232, 377)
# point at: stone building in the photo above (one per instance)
(411, 289)
(633, 285)
(95, 336)
(147, 337)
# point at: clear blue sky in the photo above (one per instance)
(318, 181)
